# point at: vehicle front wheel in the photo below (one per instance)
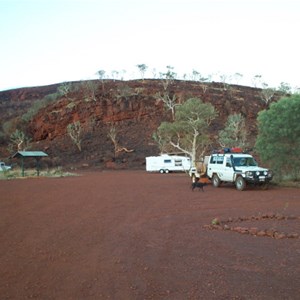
(240, 183)
(161, 171)
(216, 180)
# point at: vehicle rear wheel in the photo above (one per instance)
(161, 171)
(240, 183)
(216, 180)
(166, 171)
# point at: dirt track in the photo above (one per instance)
(135, 235)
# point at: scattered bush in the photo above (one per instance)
(38, 105)
(17, 173)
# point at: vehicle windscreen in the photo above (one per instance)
(244, 162)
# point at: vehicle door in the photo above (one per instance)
(216, 166)
(228, 171)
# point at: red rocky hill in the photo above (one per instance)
(131, 106)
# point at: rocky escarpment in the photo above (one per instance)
(132, 108)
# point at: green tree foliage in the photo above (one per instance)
(9, 127)
(65, 89)
(142, 68)
(189, 131)
(278, 140)
(284, 88)
(234, 134)
(257, 80)
(101, 75)
(38, 105)
(169, 77)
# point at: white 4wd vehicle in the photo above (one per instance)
(237, 168)
(4, 167)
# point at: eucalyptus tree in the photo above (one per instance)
(142, 68)
(101, 75)
(235, 133)
(189, 131)
(170, 102)
(267, 93)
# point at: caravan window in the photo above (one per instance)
(178, 162)
(167, 161)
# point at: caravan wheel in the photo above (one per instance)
(161, 171)
(166, 171)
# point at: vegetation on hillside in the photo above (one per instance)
(235, 133)
(187, 129)
(188, 133)
(278, 140)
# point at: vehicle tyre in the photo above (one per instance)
(240, 183)
(166, 171)
(161, 171)
(216, 180)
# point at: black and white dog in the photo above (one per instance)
(199, 185)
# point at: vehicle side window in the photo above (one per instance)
(220, 160)
(217, 160)
(228, 162)
(167, 161)
(214, 159)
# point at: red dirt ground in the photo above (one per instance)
(136, 235)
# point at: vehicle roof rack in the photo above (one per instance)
(228, 150)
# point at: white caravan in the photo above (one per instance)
(168, 163)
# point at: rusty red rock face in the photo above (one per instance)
(136, 114)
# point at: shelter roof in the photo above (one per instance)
(30, 154)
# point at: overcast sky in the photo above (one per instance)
(51, 41)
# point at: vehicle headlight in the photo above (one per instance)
(257, 173)
(249, 174)
(265, 173)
